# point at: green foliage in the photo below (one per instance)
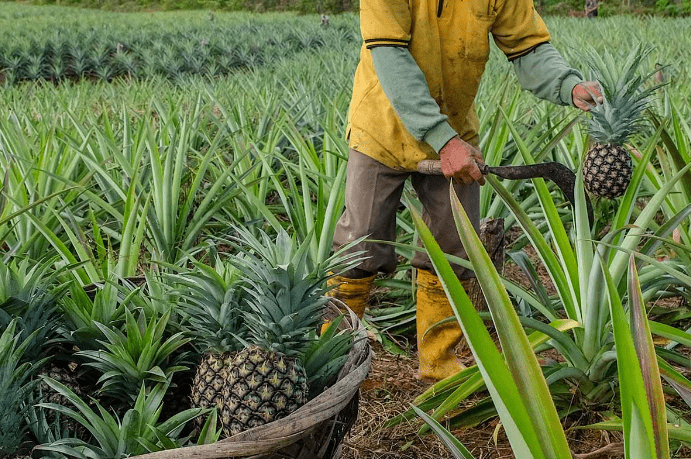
(15, 388)
(674, 8)
(147, 172)
(139, 431)
(30, 296)
(285, 288)
(644, 417)
(213, 45)
(625, 98)
(139, 356)
(81, 313)
(326, 356)
(212, 307)
(259, 6)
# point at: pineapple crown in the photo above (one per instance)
(284, 311)
(284, 286)
(213, 307)
(616, 118)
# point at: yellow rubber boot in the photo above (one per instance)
(435, 345)
(353, 292)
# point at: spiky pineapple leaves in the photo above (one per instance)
(15, 386)
(644, 414)
(458, 450)
(516, 384)
(642, 402)
(326, 356)
(213, 307)
(286, 252)
(285, 297)
(141, 354)
(138, 432)
(619, 115)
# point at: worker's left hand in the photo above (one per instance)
(584, 95)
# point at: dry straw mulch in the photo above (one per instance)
(389, 390)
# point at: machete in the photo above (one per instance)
(561, 175)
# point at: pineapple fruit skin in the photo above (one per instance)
(607, 170)
(210, 379)
(262, 386)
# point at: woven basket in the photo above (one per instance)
(315, 430)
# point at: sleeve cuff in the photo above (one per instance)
(392, 42)
(439, 135)
(566, 91)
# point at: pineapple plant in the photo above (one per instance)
(267, 379)
(16, 387)
(607, 167)
(140, 430)
(29, 298)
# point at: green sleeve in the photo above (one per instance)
(545, 73)
(542, 71)
(406, 88)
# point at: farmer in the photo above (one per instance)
(420, 67)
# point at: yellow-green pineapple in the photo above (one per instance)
(255, 318)
(267, 379)
(607, 166)
(213, 309)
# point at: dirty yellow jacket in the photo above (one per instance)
(449, 40)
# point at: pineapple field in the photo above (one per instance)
(171, 182)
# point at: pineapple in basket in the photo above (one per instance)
(607, 166)
(213, 309)
(278, 299)
(267, 379)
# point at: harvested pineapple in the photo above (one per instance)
(254, 369)
(214, 314)
(268, 379)
(607, 166)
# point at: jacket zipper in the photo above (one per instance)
(440, 8)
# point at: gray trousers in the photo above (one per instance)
(372, 197)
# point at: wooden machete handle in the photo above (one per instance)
(433, 167)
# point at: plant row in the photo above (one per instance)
(211, 49)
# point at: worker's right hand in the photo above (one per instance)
(462, 161)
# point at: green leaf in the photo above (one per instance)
(456, 447)
(211, 431)
(639, 436)
(554, 268)
(512, 411)
(676, 380)
(521, 360)
(645, 350)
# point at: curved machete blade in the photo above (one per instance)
(561, 175)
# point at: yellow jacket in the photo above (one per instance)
(449, 40)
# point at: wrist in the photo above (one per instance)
(439, 136)
(567, 87)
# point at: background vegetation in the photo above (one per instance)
(131, 144)
(550, 7)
